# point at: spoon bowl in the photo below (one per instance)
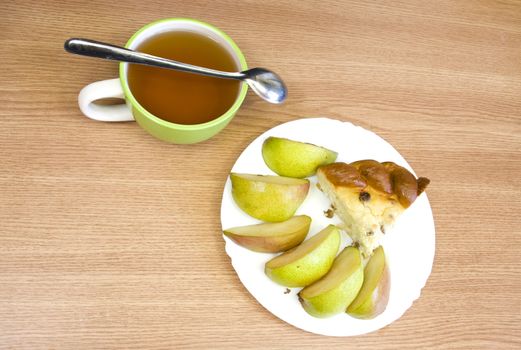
(266, 84)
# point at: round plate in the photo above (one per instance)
(409, 246)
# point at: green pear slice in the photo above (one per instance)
(268, 198)
(307, 262)
(336, 290)
(293, 158)
(273, 237)
(372, 299)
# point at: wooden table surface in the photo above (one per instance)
(110, 238)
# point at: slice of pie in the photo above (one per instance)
(368, 196)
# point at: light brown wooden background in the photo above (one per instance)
(111, 239)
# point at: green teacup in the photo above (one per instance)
(132, 110)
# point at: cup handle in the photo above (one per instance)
(107, 113)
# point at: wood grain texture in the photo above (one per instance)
(111, 239)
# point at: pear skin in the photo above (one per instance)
(307, 262)
(293, 158)
(273, 237)
(373, 297)
(268, 198)
(335, 291)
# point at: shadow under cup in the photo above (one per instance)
(173, 132)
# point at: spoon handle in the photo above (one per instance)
(98, 49)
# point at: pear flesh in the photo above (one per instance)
(307, 262)
(293, 158)
(335, 291)
(268, 198)
(272, 237)
(374, 294)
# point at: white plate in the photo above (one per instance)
(409, 246)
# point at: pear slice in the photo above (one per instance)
(267, 197)
(293, 158)
(372, 299)
(271, 237)
(307, 262)
(336, 290)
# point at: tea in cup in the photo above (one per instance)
(176, 107)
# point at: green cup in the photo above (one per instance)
(131, 110)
